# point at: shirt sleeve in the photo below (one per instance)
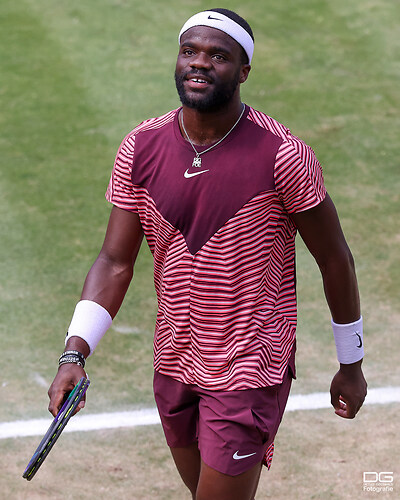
(298, 177)
(120, 191)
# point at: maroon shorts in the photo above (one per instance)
(234, 429)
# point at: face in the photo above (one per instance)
(209, 69)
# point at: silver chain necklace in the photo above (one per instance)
(197, 160)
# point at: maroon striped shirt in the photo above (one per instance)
(223, 245)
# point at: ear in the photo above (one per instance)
(244, 72)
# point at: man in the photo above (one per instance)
(219, 190)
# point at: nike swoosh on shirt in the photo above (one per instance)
(188, 175)
(240, 457)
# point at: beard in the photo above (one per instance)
(221, 95)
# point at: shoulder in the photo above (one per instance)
(291, 144)
(151, 124)
(269, 124)
(156, 123)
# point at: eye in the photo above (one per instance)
(219, 57)
(187, 52)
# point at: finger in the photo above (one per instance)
(346, 409)
(58, 393)
(341, 409)
(56, 401)
(335, 399)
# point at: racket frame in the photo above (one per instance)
(56, 428)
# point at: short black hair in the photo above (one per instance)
(242, 22)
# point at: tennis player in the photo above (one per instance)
(219, 190)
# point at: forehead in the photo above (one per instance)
(205, 36)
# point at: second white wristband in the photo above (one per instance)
(349, 341)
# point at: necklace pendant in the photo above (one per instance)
(196, 162)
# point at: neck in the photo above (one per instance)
(206, 128)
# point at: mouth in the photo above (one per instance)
(198, 81)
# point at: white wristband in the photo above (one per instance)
(90, 322)
(349, 341)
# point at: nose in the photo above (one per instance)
(201, 60)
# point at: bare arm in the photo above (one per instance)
(106, 284)
(112, 271)
(320, 229)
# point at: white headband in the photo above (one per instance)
(222, 23)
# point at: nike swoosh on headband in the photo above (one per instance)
(225, 24)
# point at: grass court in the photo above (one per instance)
(75, 78)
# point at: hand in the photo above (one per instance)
(348, 390)
(66, 379)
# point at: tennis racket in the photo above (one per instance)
(56, 428)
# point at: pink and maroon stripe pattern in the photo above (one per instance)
(227, 313)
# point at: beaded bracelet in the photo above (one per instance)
(72, 357)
